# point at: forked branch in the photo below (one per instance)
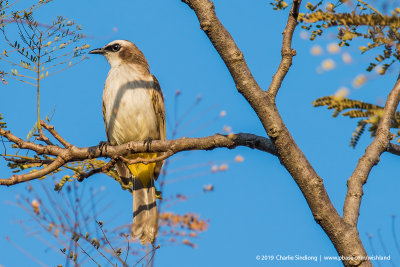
(344, 237)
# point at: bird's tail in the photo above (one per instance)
(145, 216)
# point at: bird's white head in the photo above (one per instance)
(120, 52)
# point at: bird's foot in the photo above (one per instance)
(102, 145)
(147, 143)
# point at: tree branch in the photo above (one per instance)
(16, 179)
(53, 132)
(104, 169)
(394, 149)
(370, 158)
(344, 237)
(287, 52)
(164, 156)
(170, 147)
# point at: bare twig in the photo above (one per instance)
(87, 254)
(26, 253)
(287, 52)
(105, 169)
(53, 132)
(151, 251)
(147, 161)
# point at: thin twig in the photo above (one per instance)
(147, 161)
(154, 249)
(53, 132)
(371, 7)
(84, 251)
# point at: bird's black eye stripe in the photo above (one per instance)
(113, 48)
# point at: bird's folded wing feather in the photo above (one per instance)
(158, 105)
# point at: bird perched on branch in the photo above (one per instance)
(133, 110)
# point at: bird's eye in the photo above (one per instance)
(113, 48)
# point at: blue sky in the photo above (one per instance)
(256, 208)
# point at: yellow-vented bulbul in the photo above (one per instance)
(133, 110)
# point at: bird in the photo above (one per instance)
(133, 110)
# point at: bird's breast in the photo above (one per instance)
(129, 113)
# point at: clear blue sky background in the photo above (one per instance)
(256, 208)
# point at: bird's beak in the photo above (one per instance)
(97, 51)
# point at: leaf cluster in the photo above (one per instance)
(379, 32)
(368, 115)
(43, 50)
(279, 5)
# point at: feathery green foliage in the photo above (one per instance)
(279, 5)
(368, 114)
(2, 123)
(363, 21)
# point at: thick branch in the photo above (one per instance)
(344, 237)
(380, 143)
(171, 147)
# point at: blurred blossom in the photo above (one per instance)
(316, 50)
(329, 7)
(359, 81)
(346, 57)
(208, 188)
(227, 129)
(177, 92)
(380, 70)
(342, 92)
(187, 242)
(333, 48)
(304, 35)
(223, 167)
(214, 168)
(35, 205)
(328, 64)
(239, 158)
(115, 29)
(222, 113)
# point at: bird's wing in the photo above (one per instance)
(158, 105)
(104, 118)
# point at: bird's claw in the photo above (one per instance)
(101, 145)
(147, 143)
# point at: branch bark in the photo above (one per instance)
(381, 142)
(394, 149)
(344, 237)
(287, 52)
(71, 153)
